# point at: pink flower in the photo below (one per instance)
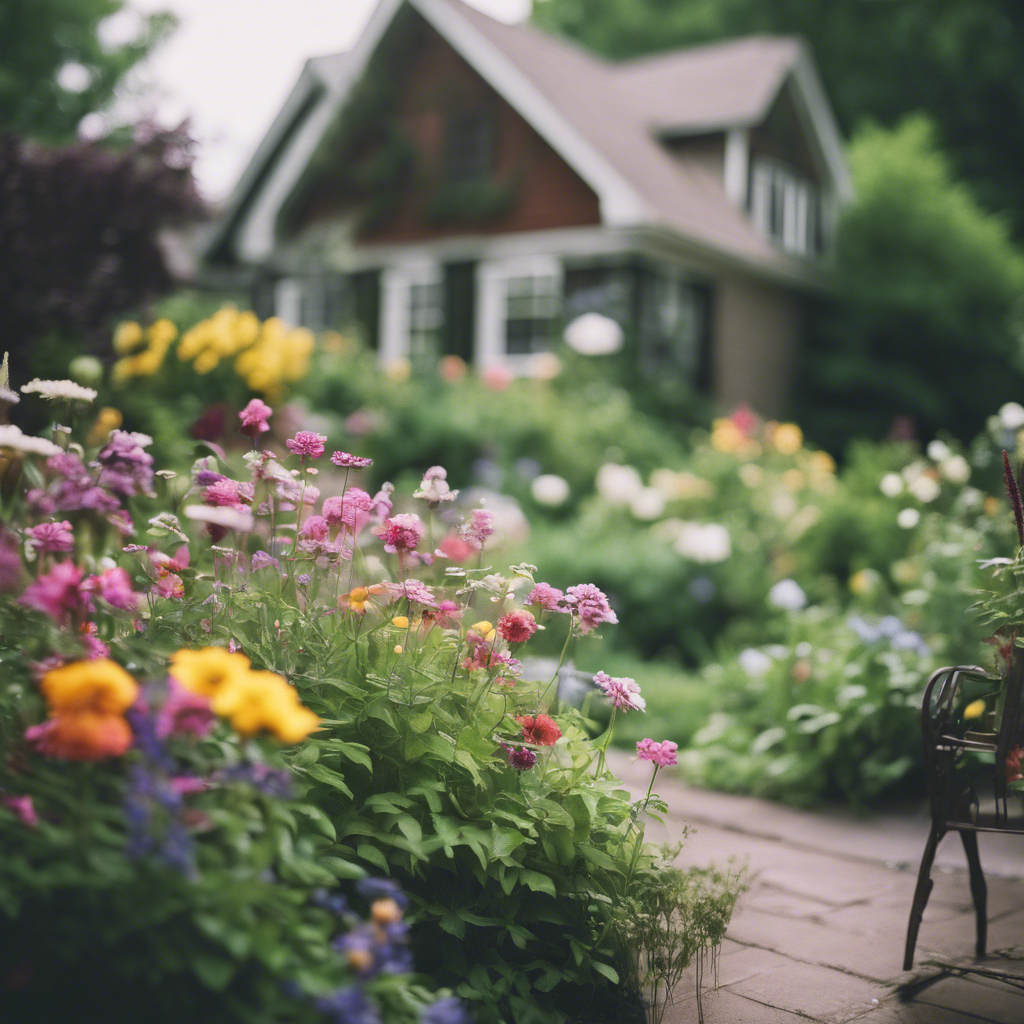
(254, 418)
(185, 785)
(590, 605)
(434, 487)
(662, 754)
(539, 729)
(307, 443)
(172, 563)
(316, 528)
(413, 590)
(58, 593)
(401, 533)
(497, 378)
(352, 510)
(456, 548)
(347, 461)
(184, 713)
(520, 758)
(517, 627)
(548, 597)
(52, 536)
(382, 501)
(10, 563)
(95, 648)
(447, 614)
(228, 493)
(479, 527)
(169, 585)
(115, 587)
(622, 693)
(23, 808)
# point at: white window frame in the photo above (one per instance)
(395, 306)
(794, 234)
(288, 300)
(492, 277)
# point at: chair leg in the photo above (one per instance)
(921, 894)
(979, 891)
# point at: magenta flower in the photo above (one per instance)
(401, 533)
(228, 493)
(58, 593)
(622, 693)
(316, 528)
(478, 528)
(169, 585)
(23, 807)
(520, 758)
(307, 443)
(184, 713)
(115, 587)
(186, 785)
(347, 461)
(448, 614)
(548, 597)
(94, 647)
(263, 560)
(352, 510)
(382, 501)
(414, 590)
(590, 605)
(517, 626)
(662, 754)
(254, 419)
(52, 536)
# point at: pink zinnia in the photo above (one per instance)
(548, 597)
(52, 536)
(307, 443)
(401, 533)
(347, 461)
(254, 418)
(517, 627)
(115, 587)
(184, 713)
(662, 754)
(590, 605)
(479, 527)
(23, 807)
(58, 593)
(622, 693)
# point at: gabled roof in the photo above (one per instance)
(602, 118)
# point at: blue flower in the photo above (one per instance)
(349, 1006)
(447, 1011)
(381, 889)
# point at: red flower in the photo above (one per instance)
(1013, 764)
(517, 627)
(539, 729)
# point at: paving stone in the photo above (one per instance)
(727, 1007)
(999, 1004)
(770, 900)
(892, 1011)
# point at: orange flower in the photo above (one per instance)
(539, 729)
(256, 701)
(99, 686)
(82, 736)
(208, 670)
(356, 600)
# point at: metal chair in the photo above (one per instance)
(954, 797)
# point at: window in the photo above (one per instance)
(426, 315)
(786, 207)
(531, 305)
(469, 146)
(673, 320)
(411, 313)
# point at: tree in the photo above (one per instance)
(81, 235)
(927, 286)
(880, 59)
(54, 66)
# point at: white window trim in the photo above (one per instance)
(395, 288)
(288, 300)
(492, 277)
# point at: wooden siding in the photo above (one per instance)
(546, 192)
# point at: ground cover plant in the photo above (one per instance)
(257, 687)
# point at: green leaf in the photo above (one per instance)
(537, 881)
(605, 969)
(214, 971)
(322, 823)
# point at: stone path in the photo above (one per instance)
(819, 935)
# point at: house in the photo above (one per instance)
(457, 185)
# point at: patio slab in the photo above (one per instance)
(819, 935)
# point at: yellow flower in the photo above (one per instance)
(485, 629)
(992, 506)
(398, 370)
(787, 438)
(864, 581)
(794, 480)
(400, 621)
(399, 648)
(975, 709)
(822, 462)
(726, 437)
(356, 600)
(127, 336)
(161, 333)
(209, 670)
(206, 361)
(257, 701)
(99, 686)
(107, 419)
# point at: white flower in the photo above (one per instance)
(648, 504)
(548, 489)
(1011, 416)
(784, 505)
(956, 469)
(924, 488)
(230, 518)
(703, 542)
(938, 450)
(617, 484)
(788, 595)
(594, 335)
(891, 485)
(908, 518)
(65, 389)
(754, 662)
(12, 437)
(543, 366)
(434, 487)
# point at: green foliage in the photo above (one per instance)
(926, 286)
(39, 38)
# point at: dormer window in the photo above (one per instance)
(469, 146)
(787, 207)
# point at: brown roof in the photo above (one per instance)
(608, 105)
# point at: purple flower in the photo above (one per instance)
(622, 693)
(184, 713)
(372, 889)
(126, 467)
(548, 597)
(207, 478)
(520, 758)
(10, 563)
(115, 587)
(349, 1006)
(52, 536)
(58, 593)
(479, 527)
(347, 461)
(590, 605)
(307, 443)
(450, 1010)
(415, 590)
(262, 560)
(276, 782)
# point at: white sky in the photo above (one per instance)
(231, 63)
